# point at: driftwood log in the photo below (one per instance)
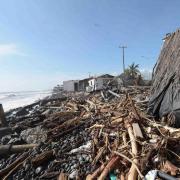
(8, 149)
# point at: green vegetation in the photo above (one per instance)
(132, 71)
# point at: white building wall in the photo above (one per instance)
(99, 84)
(69, 85)
(91, 85)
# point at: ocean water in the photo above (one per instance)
(11, 100)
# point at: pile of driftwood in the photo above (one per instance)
(103, 135)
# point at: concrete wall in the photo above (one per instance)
(69, 85)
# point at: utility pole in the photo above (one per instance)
(123, 47)
(89, 74)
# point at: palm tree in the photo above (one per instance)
(133, 70)
(127, 71)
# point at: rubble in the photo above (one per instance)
(98, 135)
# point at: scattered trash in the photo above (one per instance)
(97, 135)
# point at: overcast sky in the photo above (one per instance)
(43, 42)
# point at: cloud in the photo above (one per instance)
(10, 49)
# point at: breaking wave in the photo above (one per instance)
(4, 96)
(12, 100)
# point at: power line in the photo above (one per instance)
(123, 47)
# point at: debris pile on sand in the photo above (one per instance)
(88, 136)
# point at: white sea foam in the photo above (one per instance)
(12, 100)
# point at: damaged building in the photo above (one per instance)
(98, 83)
(71, 85)
(87, 84)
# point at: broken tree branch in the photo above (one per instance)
(113, 93)
(15, 168)
(125, 157)
(96, 173)
(132, 172)
(111, 164)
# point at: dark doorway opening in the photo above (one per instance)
(75, 86)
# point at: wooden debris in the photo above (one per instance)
(89, 137)
(117, 121)
(133, 171)
(96, 173)
(122, 155)
(42, 158)
(99, 154)
(137, 131)
(111, 165)
(113, 93)
(13, 165)
(15, 168)
(171, 168)
(7, 149)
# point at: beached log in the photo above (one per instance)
(8, 149)
(3, 121)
